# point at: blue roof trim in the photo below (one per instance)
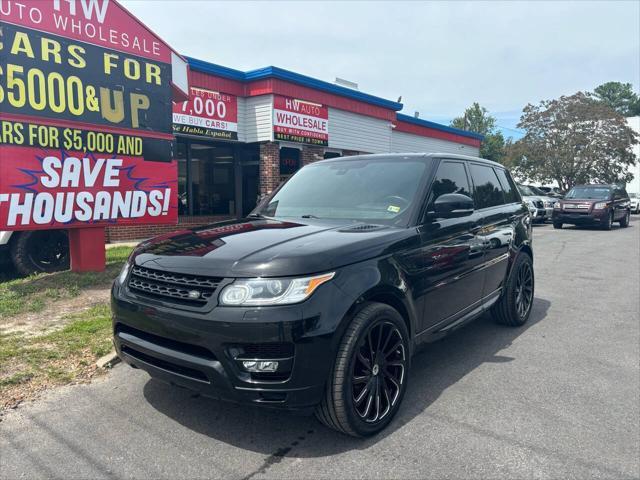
(282, 74)
(213, 69)
(437, 126)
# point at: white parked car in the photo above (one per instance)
(536, 205)
(547, 200)
(634, 201)
(35, 251)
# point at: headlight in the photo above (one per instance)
(124, 272)
(601, 205)
(271, 291)
(548, 204)
(556, 206)
(531, 204)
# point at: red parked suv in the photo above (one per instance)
(598, 205)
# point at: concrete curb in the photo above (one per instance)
(109, 360)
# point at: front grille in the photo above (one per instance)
(539, 204)
(185, 289)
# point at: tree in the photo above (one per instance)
(574, 139)
(477, 119)
(620, 97)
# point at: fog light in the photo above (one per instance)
(256, 366)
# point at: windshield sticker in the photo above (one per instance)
(393, 208)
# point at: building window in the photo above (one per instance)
(212, 179)
(289, 161)
(217, 178)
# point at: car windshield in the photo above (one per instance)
(526, 191)
(537, 191)
(370, 190)
(589, 193)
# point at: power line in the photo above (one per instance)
(517, 130)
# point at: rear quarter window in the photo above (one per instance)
(487, 191)
(511, 194)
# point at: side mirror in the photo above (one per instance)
(452, 205)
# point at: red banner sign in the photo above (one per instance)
(100, 22)
(85, 127)
(61, 189)
(207, 114)
(300, 121)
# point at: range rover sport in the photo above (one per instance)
(319, 298)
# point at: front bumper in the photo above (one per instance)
(203, 351)
(594, 217)
(538, 214)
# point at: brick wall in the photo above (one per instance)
(269, 167)
(311, 154)
(141, 232)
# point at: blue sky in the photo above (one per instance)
(440, 56)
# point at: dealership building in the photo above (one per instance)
(242, 133)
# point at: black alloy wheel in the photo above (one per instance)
(516, 302)
(368, 381)
(524, 290)
(609, 222)
(624, 222)
(378, 374)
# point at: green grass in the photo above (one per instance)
(57, 357)
(34, 293)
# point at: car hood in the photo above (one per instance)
(268, 247)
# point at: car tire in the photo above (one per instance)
(495, 242)
(557, 225)
(366, 388)
(519, 287)
(624, 221)
(40, 251)
(609, 222)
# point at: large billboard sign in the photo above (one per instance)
(299, 121)
(207, 114)
(85, 117)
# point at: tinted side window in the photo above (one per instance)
(451, 178)
(487, 191)
(510, 195)
(620, 194)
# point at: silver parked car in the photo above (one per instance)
(634, 202)
(536, 204)
(548, 200)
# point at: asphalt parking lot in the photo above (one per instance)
(558, 398)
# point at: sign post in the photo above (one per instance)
(85, 122)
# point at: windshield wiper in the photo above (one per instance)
(256, 215)
(308, 216)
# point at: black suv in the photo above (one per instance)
(318, 300)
